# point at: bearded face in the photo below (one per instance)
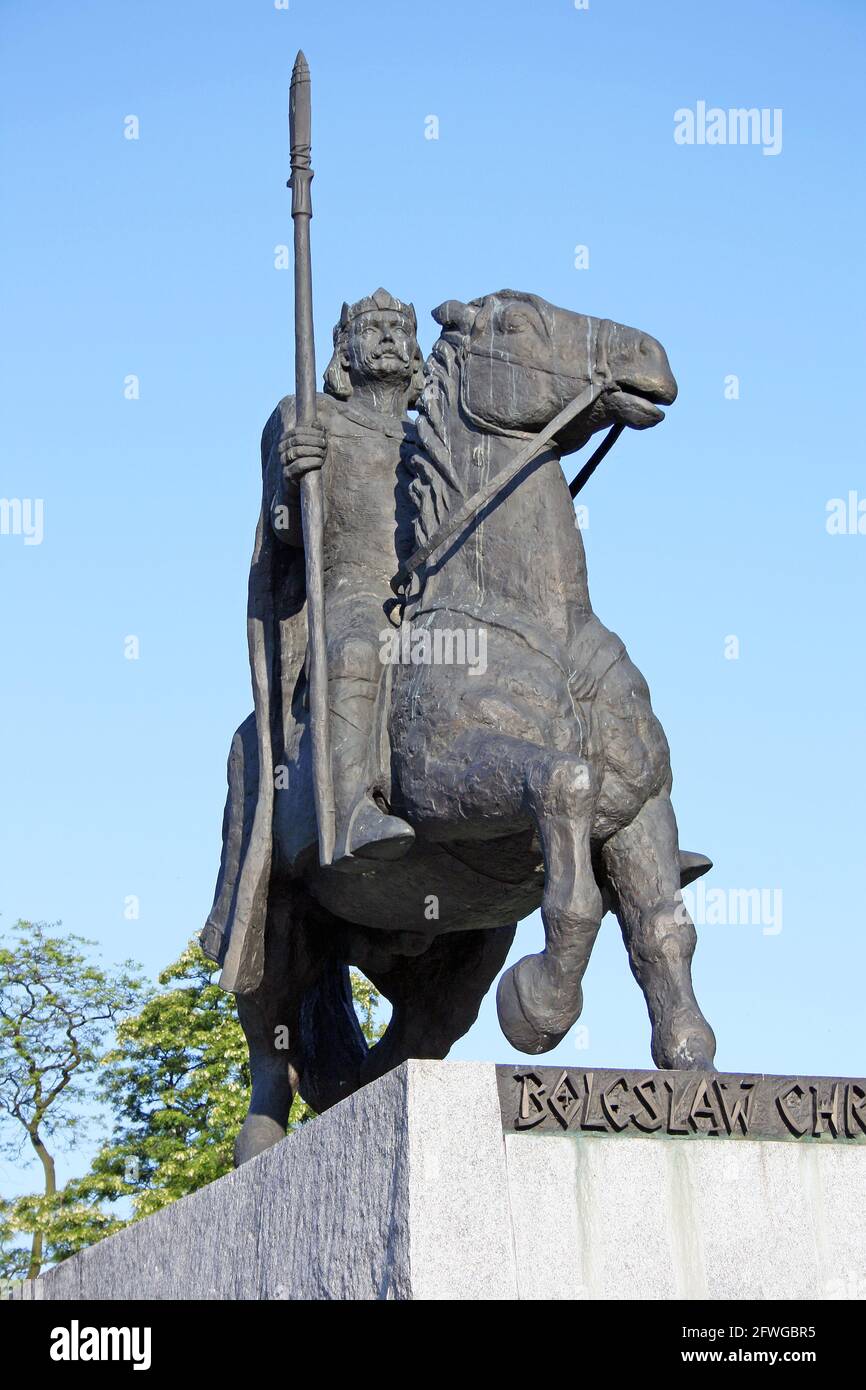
(380, 346)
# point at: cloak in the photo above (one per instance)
(265, 820)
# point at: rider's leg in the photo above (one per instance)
(642, 864)
(364, 829)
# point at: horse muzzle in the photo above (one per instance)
(630, 408)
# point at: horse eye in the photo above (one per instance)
(513, 323)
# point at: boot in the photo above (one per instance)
(368, 833)
(365, 831)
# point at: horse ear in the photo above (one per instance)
(455, 314)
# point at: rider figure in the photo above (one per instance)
(374, 376)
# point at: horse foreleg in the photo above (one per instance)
(642, 864)
(540, 997)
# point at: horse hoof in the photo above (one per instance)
(524, 1026)
(687, 1043)
(258, 1132)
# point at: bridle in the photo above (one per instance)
(600, 382)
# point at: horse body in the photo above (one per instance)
(542, 780)
(555, 677)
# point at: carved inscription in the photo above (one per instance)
(684, 1104)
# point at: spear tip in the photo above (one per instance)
(301, 70)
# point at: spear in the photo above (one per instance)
(312, 506)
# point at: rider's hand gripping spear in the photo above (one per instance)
(312, 505)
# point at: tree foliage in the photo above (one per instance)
(175, 1082)
(178, 1083)
(56, 1008)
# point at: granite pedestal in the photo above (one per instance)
(413, 1189)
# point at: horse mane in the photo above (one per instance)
(431, 486)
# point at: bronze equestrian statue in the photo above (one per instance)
(466, 798)
(444, 737)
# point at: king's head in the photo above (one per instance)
(375, 342)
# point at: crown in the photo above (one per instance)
(379, 299)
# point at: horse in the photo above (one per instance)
(538, 777)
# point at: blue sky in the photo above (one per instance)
(155, 258)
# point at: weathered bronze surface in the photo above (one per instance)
(682, 1104)
(493, 749)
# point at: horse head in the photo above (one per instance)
(524, 359)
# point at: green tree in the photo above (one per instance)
(56, 1008)
(178, 1083)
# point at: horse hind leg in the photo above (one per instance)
(435, 996)
(270, 1018)
(273, 1074)
(540, 998)
(643, 866)
(300, 1025)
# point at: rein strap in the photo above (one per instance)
(530, 454)
(489, 490)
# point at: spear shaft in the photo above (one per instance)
(312, 503)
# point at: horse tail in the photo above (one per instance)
(333, 1048)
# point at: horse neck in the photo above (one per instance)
(526, 556)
